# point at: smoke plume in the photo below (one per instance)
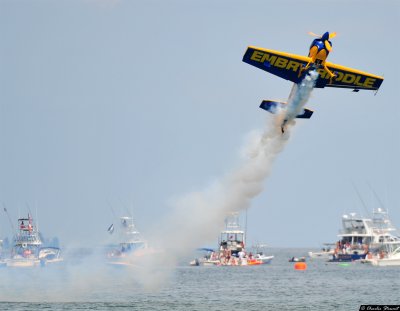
(198, 217)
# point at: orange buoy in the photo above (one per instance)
(300, 266)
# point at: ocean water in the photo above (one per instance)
(277, 286)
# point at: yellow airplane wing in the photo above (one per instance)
(288, 66)
(346, 77)
(281, 64)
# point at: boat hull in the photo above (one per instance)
(320, 255)
(20, 263)
(347, 257)
(384, 262)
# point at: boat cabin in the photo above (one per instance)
(232, 238)
(27, 241)
(368, 231)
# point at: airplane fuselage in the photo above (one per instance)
(318, 52)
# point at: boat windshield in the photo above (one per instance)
(229, 236)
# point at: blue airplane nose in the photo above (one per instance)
(325, 36)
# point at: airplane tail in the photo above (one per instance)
(276, 107)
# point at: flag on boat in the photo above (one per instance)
(111, 229)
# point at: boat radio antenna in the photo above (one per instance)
(111, 208)
(29, 208)
(376, 196)
(125, 207)
(8, 216)
(360, 197)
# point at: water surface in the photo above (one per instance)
(278, 286)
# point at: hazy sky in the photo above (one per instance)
(135, 103)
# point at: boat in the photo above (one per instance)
(2, 262)
(231, 248)
(130, 242)
(389, 258)
(28, 249)
(297, 259)
(326, 252)
(360, 236)
(354, 256)
(388, 255)
(258, 259)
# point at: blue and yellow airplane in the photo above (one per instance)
(294, 67)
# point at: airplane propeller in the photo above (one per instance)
(331, 35)
(314, 34)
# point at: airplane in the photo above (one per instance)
(294, 68)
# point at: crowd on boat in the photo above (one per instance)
(362, 239)
(231, 248)
(225, 257)
(348, 248)
(363, 249)
(367, 240)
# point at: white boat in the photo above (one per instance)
(326, 252)
(360, 235)
(372, 232)
(389, 255)
(130, 241)
(28, 250)
(231, 248)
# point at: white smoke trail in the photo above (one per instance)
(198, 217)
(298, 98)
